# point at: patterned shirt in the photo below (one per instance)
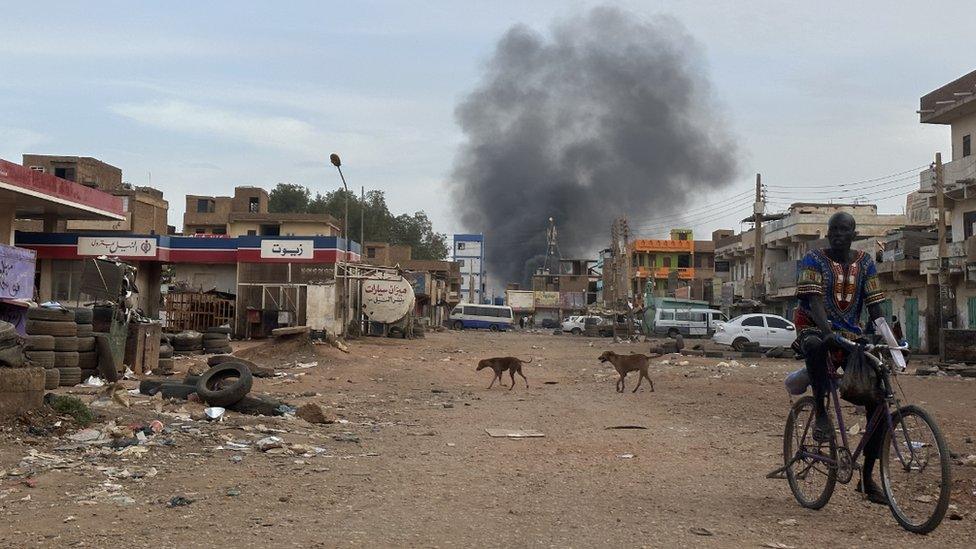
(844, 293)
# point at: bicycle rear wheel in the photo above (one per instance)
(915, 470)
(812, 481)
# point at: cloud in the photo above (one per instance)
(16, 141)
(262, 131)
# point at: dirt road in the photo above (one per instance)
(414, 467)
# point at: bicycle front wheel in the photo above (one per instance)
(811, 479)
(915, 470)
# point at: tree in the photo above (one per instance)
(289, 198)
(417, 232)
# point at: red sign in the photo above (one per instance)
(22, 180)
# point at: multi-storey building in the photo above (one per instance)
(246, 214)
(469, 252)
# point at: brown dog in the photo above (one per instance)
(502, 364)
(628, 363)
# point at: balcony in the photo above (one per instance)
(782, 279)
(956, 175)
(667, 246)
(684, 273)
(955, 253)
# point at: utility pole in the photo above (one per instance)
(758, 209)
(943, 251)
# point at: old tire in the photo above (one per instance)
(165, 351)
(12, 357)
(576, 331)
(673, 333)
(169, 389)
(191, 380)
(83, 315)
(69, 377)
(39, 343)
(85, 330)
(52, 378)
(65, 344)
(7, 331)
(458, 325)
(215, 388)
(88, 360)
(41, 359)
(165, 366)
(50, 314)
(66, 360)
(209, 336)
(219, 330)
(86, 344)
(53, 328)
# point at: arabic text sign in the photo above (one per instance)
(547, 299)
(387, 300)
(116, 246)
(16, 272)
(287, 249)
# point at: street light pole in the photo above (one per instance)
(345, 229)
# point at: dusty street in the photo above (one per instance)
(414, 467)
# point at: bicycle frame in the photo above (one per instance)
(882, 410)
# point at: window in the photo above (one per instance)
(753, 321)
(253, 204)
(460, 245)
(775, 322)
(200, 230)
(684, 261)
(682, 315)
(667, 261)
(270, 230)
(461, 263)
(718, 316)
(371, 252)
(65, 173)
(969, 224)
(205, 205)
(967, 147)
(699, 317)
(219, 230)
(252, 232)
(667, 315)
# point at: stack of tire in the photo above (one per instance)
(11, 348)
(165, 366)
(217, 341)
(187, 342)
(59, 348)
(87, 354)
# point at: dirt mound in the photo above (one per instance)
(282, 352)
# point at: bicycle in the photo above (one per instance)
(911, 439)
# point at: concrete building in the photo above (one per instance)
(565, 292)
(246, 214)
(386, 254)
(659, 266)
(954, 105)
(785, 242)
(145, 209)
(469, 251)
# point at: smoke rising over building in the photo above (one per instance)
(607, 115)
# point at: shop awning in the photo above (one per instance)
(36, 194)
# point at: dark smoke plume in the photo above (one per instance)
(610, 115)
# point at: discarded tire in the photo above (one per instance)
(50, 314)
(215, 336)
(12, 356)
(38, 343)
(165, 351)
(106, 360)
(219, 330)
(41, 359)
(83, 315)
(52, 378)
(191, 379)
(255, 406)
(65, 344)
(66, 360)
(7, 331)
(69, 377)
(218, 388)
(53, 328)
(85, 330)
(87, 373)
(86, 344)
(187, 341)
(169, 389)
(88, 360)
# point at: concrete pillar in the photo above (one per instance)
(50, 223)
(45, 290)
(8, 215)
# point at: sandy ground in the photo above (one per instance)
(414, 467)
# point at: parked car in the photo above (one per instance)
(576, 324)
(604, 326)
(767, 330)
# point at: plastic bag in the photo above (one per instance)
(860, 383)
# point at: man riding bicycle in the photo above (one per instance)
(833, 287)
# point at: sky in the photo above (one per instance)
(200, 97)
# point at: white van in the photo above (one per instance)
(494, 317)
(691, 322)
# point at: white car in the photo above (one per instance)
(575, 324)
(767, 330)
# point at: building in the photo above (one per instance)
(469, 252)
(785, 241)
(567, 291)
(246, 214)
(660, 266)
(145, 209)
(954, 105)
(386, 254)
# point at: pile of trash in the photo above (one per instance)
(225, 386)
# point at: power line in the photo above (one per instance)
(872, 180)
(782, 189)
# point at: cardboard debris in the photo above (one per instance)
(495, 432)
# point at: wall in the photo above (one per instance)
(963, 294)
(204, 277)
(962, 126)
(88, 171)
(321, 308)
(959, 208)
(241, 228)
(308, 228)
(222, 209)
(242, 199)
